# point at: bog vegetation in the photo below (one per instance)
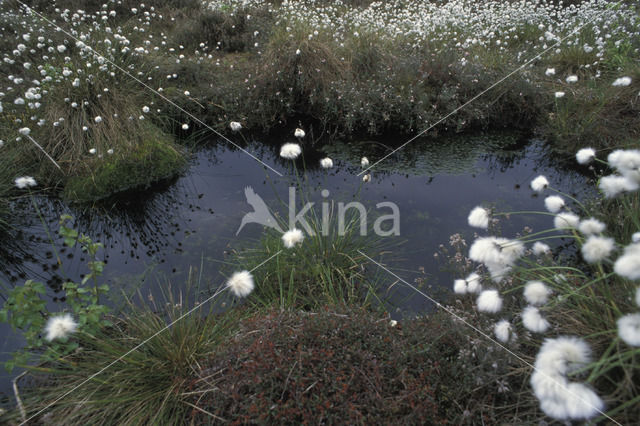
(101, 97)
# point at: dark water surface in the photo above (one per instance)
(160, 235)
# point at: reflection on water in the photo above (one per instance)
(192, 221)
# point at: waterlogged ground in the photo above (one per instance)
(156, 238)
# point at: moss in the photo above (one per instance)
(155, 158)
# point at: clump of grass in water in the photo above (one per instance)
(317, 268)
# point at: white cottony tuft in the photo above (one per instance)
(559, 95)
(597, 249)
(145, 109)
(628, 265)
(299, 133)
(566, 221)
(98, 119)
(572, 79)
(591, 226)
(627, 162)
(550, 71)
(613, 185)
(629, 329)
(582, 402)
(585, 155)
(460, 287)
(554, 203)
(540, 248)
(59, 327)
(185, 126)
(326, 163)
(290, 151)
(393, 323)
(292, 237)
(503, 331)
(638, 296)
(92, 151)
(241, 283)
(622, 81)
(473, 283)
(539, 184)
(366, 178)
(536, 293)
(479, 218)
(25, 182)
(559, 398)
(235, 126)
(364, 162)
(110, 151)
(635, 237)
(489, 301)
(533, 320)
(24, 131)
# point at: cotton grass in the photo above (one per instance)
(479, 218)
(290, 151)
(489, 301)
(292, 237)
(241, 283)
(60, 327)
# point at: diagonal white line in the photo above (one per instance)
(459, 318)
(193, 117)
(140, 345)
(484, 91)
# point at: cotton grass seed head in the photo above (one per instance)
(566, 221)
(572, 79)
(489, 301)
(536, 293)
(629, 329)
(364, 162)
(539, 184)
(539, 248)
(554, 203)
(591, 226)
(628, 265)
(613, 185)
(621, 81)
(59, 327)
(479, 218)
(292, 237)
(326, 163)
(596, 249)
(241, 283)
(550, 71)
(25, 182)
(533, 320)
(299, 133)
(585, 155)
(638, 296)
(503, 331)
(474, 284)
(290, 151)
(460, 287)
(235, 126)
(559, 95)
